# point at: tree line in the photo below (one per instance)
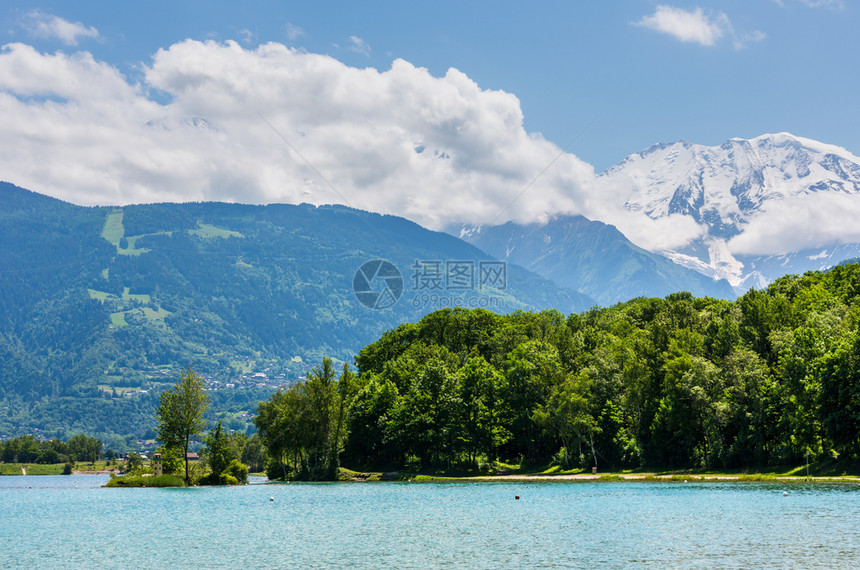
(678, 382)
(28, 449)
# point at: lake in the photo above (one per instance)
(70, 522)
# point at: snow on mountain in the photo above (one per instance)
(773, 195)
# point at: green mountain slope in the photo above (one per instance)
(103, 302)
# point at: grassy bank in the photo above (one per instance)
(56, 468)
(32, 469)
(831, 471)
(146, 481)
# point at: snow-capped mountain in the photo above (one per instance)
(766, 206)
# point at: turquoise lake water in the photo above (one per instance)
(70, 522)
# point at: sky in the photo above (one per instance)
(443, 112)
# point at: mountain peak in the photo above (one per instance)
(741, 184)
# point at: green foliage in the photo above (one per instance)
(135, 461)
(180, 414)
(172, 459)
(218, 451)
(303, 427)
(238, 471)
(27, 449)
(676, 382)
(148, 481)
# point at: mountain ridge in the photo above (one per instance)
(736, 188)
(592, 257)
(98, 302)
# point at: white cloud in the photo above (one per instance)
(294, 32)
(606, 199)
(438, 150)
(247, 35)
(693, 26)
(698, 26)
(742, 41)
(358, 45)
(831, 4)
(801, 222)
(53, 27)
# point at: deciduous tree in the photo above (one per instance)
(180, 414)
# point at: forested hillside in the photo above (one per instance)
(674, 382)
(101, 308)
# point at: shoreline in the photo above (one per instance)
(349, 476)
(636, 477)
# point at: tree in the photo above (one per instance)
(171, 459)
(566, 415)
(303, 427)
(82, 447)
(218, 449)
(840, 396)
(135, 461)
(180, 414)
(254, 454)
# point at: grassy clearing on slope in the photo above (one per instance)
(132, 248)
(155, 316)
(126, 296)
(113, 230)
(100, 296)
(208, 231)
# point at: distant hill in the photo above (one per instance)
(593, 258)
(101, 302)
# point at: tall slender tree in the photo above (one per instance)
(180, 413)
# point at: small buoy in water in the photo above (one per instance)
(785, 493)
(517, 497)
(271, 499)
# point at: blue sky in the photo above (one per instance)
(567, 62)
(443, 112)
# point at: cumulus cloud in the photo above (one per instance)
(800, 222)
(698, 26)
(53, 27)
(693, 26)
(276, 124)
(606, 198)
(438, 150)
